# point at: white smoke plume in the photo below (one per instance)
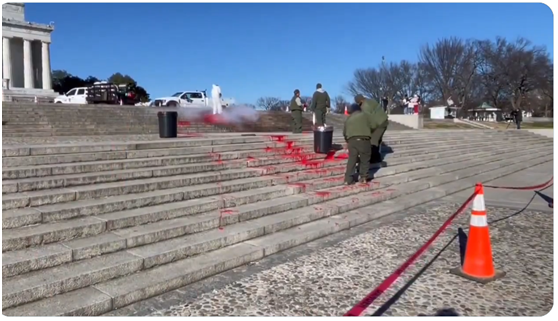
(234, 115)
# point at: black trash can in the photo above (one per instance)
(323, 139)
(168, 124)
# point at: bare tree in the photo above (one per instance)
(339, 104)
(367, 82)
(269, 103)
(448, 68)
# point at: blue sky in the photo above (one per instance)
(254, 50)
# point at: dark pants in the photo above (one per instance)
(518, 123)
(320, 116)
(297, 121)
(358, 149)
(376, 142)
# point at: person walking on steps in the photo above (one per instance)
(517, 117)
(296, 108)
(379, 123)
(357, 134)
(320, 105)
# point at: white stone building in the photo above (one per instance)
(26, 70)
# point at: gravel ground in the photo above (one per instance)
(74, 139)
(329, 281)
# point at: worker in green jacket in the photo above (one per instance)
(379, 123)
(320, 104)
(296, 108)
(357, 135)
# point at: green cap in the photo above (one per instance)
(359, 98)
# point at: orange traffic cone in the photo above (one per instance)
(346, 111)
(478, 264)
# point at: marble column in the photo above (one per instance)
(27, 65)
(45, 55)
(6, 59)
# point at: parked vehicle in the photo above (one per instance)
(186, 99)
(111, 94)
(73, 96)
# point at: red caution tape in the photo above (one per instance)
(359, 308)
(526, 188)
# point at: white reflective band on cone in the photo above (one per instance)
(479, 220)
(478, 203)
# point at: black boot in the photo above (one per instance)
(376, 157)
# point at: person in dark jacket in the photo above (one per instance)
(296, 108)
(357, 135)
(379, 123)
(320, 105)
(385, 103)
(517, 117)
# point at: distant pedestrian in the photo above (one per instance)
(296, 108)
(320, 105)
(517, 116)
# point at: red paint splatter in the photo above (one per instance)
(290, 144)
(184, 123)
(313, 164)
(268, 149)
(216, 157)
(216, 119)
(250, 159)
(303, 186)
(278, 138)
(343, 156)
(323, 194)
(330, 155)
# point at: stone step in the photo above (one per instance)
(40, 234)
(130, 229)
(144, 170)
(102, 166)
(10, 158)
(17, 218)
(106, 273)
(61, 195)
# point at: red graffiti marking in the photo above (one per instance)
(290, 144)
(343, 156)
(184, 123)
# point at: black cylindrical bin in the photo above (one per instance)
(323, 139)
(168, 124)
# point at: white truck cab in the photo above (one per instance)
(183, 99)
(73, 96)
(194, 99)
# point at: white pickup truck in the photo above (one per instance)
(76, 95)
(188, 99)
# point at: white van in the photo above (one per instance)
(73, 96)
